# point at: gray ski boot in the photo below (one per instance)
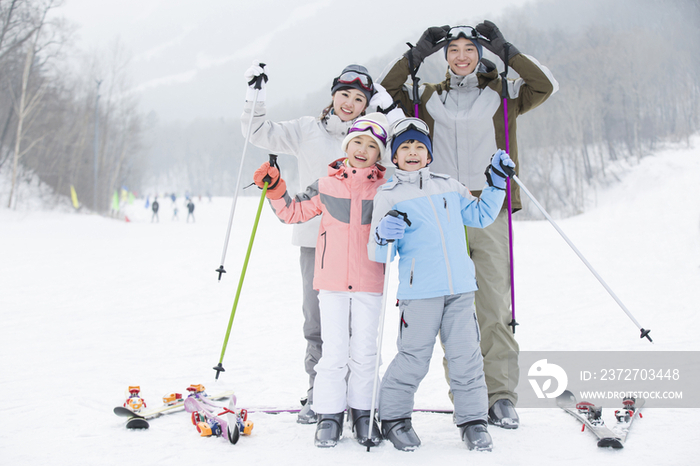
(476, 436)
(502, 414)
(400, 432)
(306, 415)
(360, 425)
(329, 429)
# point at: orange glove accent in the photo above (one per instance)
(276, 186)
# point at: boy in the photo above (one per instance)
(436, 282)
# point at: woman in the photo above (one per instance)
(315, 142)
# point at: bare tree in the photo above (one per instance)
(28, 100)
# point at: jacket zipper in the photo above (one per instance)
(413, 266)
(323, 254)
(447, 209)
(402, 324)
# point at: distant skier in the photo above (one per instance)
(175, 217)
(155, 207)
(190, 211)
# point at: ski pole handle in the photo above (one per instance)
(509, 171)
(504, 81)
(273, 163)
(258, 80)
(397, 213)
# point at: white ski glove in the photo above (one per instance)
(251, 76)
(382, 100)
(381, 97)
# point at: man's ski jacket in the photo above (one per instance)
(465, 114)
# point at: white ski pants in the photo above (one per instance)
(344, 314)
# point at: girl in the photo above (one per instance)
(315, 142)
(349, 284)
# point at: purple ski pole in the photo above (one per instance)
(504, 95)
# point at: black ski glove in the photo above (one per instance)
(430, 42)
(494, 40)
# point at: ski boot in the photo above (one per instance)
(329, 429)
(502, 414)
(400, 432)
(360, 425)
(476, 436)
(306, 415)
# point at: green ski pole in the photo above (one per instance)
(220, 368)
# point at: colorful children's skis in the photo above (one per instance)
(211, 419)
(137, 416)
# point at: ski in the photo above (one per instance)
(631, 409)
(208, 418)
(590, 416)
(137, 418)
(133, 404)
(263, 410)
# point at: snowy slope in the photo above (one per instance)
(90, 305)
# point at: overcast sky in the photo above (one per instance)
(189, 56)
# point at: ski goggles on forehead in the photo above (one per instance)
(467, 32)
(365, 125)
(352, 76)
(410, 123)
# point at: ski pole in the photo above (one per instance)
(258, 85)
(380, 335)
(415, 79)
(643, 333)
(220, 368)
(416, 97)
(504, 96)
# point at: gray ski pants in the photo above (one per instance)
(312, 315)
(421, 320)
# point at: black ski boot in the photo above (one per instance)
(502, 414)
(360, 425)
(329, 429)
(400, 432)
(476, 436)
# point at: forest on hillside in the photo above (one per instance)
(66, 121)
(627, 73)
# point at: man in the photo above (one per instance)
(466, 117)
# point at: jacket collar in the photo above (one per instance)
(484, 74)
(416, 177)
(340, 169)
(335, 126)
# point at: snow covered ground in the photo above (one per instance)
(90, 305)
